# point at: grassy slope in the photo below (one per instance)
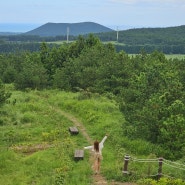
(33, 120)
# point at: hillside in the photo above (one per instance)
(147, 35)
(138, 101)
(39, 142)
(55, 29)
(37, 148)
(167, 40)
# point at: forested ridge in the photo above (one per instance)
(148, 88)
(167, 40)
(169, 35)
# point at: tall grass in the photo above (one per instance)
(101, 116)
(34, 120)
(27, 124)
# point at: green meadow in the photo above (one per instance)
(175, 56)
(168, 56)
(37, 148)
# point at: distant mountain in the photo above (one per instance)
(55, 29)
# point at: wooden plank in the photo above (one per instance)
(79, 155)
(73, 130)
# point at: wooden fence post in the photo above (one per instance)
(125, 167)
(160, 167)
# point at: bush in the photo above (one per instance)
(162, 181)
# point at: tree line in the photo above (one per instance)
(148, 88)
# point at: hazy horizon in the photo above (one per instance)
(21, 15)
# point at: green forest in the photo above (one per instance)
(148, 88)
(167, 40)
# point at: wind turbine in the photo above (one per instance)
(67, 34)
(117, 34)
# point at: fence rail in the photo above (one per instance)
(161, 162)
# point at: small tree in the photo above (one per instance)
(3, 94)
(33, 74)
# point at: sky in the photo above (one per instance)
(24, 15)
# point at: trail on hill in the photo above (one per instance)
(98, 179)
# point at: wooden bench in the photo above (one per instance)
(73, 130)
(79, 155)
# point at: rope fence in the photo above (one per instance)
(161, 162)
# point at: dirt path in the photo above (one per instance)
(97, 179)
(77, 124)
